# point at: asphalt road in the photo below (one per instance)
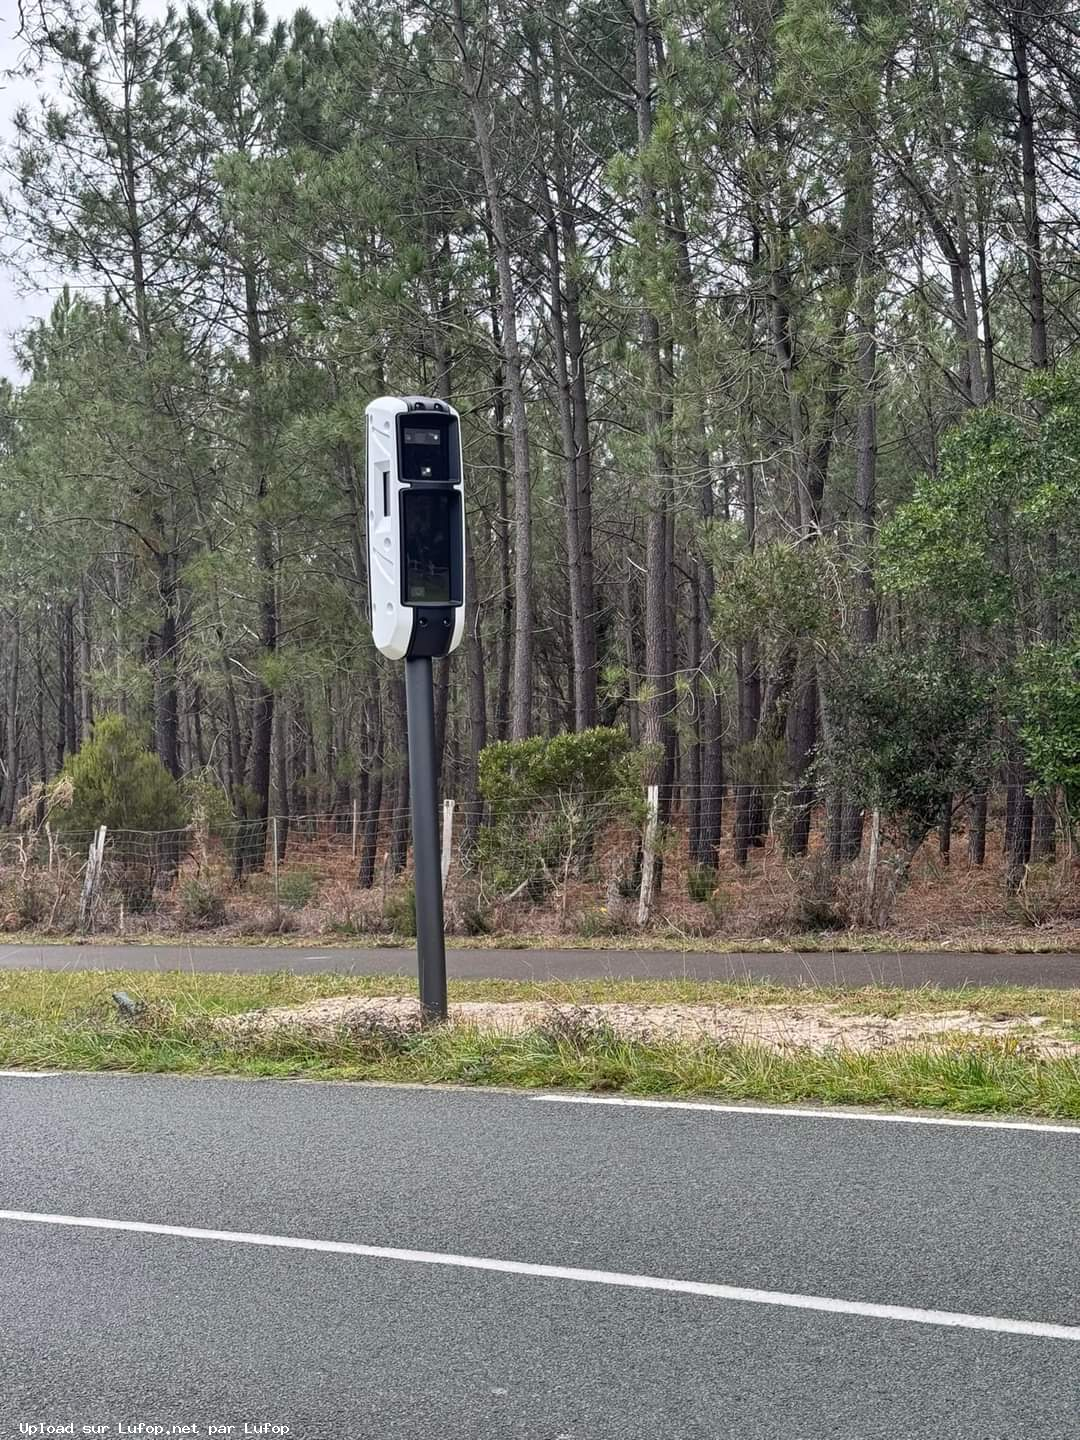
(105, 1327)
(908, 969)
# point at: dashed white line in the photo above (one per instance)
(957, 1319)
(791, 1111)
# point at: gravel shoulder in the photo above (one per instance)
(817, 1028)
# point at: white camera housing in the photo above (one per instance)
(415, 526)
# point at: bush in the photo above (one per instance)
(400, 912)
(817, 901)
(296, 888)
(117, 782)
(202, 906)
(701, 883)
(599, 924)
(1042, 893)
(548, 799)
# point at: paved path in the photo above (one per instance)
(940, 1263)
(827, 967)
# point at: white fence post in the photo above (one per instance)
(648, 854)
(447, 839)
(355, 825)
(274, 842)
(872, 866)
(93, 875)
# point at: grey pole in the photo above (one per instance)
(424, 792)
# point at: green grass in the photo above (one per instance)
(76, 995)
(67, 1021)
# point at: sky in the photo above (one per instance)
(24, 297)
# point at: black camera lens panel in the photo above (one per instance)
(428, 450)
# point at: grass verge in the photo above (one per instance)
(68, 1021)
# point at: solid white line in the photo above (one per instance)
(788, 1111)
(1037, 1328)
(26, 1074)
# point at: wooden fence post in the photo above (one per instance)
(648, 854)
(447, 839)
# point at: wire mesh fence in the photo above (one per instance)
(753, 857)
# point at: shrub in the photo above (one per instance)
(400, 912)
(548, 799)
(117, 782)
(202, 906)
(296, 888)
(1042, 893)
(598, 924)
(701, 883)
(817, 901)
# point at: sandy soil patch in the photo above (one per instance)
(817, 1028)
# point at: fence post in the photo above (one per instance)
(93, 873)
(648, 854)
(274, 822)
(872, 866)
(447, 839)
(355, 825)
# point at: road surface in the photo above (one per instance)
(911, 970)
(358, 1262)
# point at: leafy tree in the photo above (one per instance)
(910, 731)
(1049, 723)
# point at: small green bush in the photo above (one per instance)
(599, 923)
(549, 798)
(701, 883)
(202, 906)
(296, 888)
(400, 912)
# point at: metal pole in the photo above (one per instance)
(424, 792)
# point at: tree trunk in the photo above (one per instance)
(1040, 352)
(166, 703)
(86, 698)
(474, 657)
(12, 724)
(475, 84)
(977, 828)
(657, 667)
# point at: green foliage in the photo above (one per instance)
(910, 728)
(202, 905)
(549, 798)
(1049, 711)
(207, 803)
(297, 888)
(974, 537)
(116, 781)
(400, 912)
(778, 590)
(701, 883)
(594, 765)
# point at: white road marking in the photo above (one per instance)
(1040, 1329)
(26, 1074)
(787, 1111)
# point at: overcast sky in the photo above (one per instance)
(22, 296)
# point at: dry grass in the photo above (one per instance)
(958, 906)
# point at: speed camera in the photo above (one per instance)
(415, 526)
